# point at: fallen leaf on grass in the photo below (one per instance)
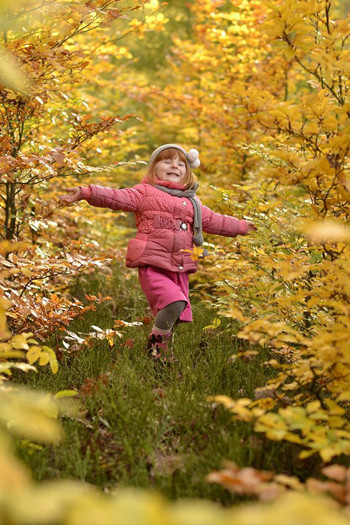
(130, 343)
(241, 481)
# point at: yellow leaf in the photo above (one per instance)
(336, 422)
(334, 409)
(33, 354)
(313, 406)
(235, 313)
(328, 453)
(293, 438)
(215, 324)
(196, 253)
(344, 396)
(44, 359)
(20, 342)
(289, 481)
(311, 128)
(304, 454)
(53, 364)
(50, 358)
(26, 271)
(330, 123)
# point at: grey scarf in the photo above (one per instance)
(189, 194)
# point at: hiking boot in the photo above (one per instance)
(158, 347)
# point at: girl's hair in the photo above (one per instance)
(170, 153)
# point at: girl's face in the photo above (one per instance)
(171, 170)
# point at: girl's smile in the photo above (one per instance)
(171, 170)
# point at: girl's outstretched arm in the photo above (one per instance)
(226, 225)
(127, 199)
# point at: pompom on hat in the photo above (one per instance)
(192, 156)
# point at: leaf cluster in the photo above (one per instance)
(289, 292)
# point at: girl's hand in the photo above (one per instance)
(73, 197)
(251, 227)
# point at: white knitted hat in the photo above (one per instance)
(191, 156)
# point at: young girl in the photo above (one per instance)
(170, 220)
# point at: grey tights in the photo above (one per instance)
(167, 317)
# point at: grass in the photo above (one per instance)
(145, 426)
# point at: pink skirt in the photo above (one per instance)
(162, 287)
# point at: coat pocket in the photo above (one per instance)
(136, 248)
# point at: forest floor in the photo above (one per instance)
(151, 426)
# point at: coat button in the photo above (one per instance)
(183, 226)
(181, 267)
(184, 203)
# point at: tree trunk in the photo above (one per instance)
(10, 211)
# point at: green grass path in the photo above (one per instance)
(151, 427)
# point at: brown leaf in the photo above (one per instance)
(336, 472)
(316, 486)
(241, 481)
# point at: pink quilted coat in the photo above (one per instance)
(164, 224)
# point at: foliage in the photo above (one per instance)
(32, 150)
(158, 441)
(71, 501)
(268, 487)
(262, 89)
(290, 293)
(22, 282)
(192, 98)
(45, 124)
(266, 100)
(21, 345)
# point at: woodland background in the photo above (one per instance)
(90, 431)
